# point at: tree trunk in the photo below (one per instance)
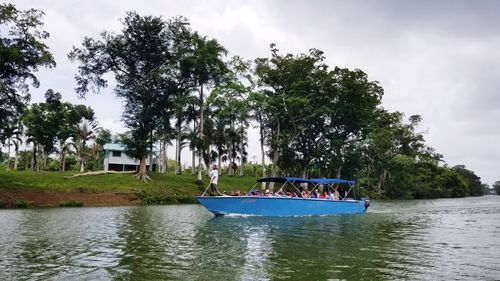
(207, 164)
(262, 152)
(142, 174)
(165, 158)
(151, 151)
(61, 155)
(230, 172)
(304, 175)
(200, 153)
(63, 162)
(82, 164)
(338, 172)
(193, 166)
(8, 155)
(219, 162)
(45, 162)
(193, 159)
(82, 160)
(178, 141)
(241, 152)
(160, 157)
(380, 181)
(39, 158)
(16, 159)
(33, 159)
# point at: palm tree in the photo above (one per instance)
(206, 67)
(257, 106)
(184, 105)
(12, 135)
(85, 132)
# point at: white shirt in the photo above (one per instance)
(214, 176)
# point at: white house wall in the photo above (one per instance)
(123, 159)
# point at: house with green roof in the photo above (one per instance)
(116, 159)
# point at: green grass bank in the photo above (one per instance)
(47, 189)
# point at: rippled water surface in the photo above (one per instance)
(433, 240)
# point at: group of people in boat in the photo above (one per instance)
(335, 195)
(330, 195)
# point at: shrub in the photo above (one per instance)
(2, 204)
(149, 198)
(21, 204)
(71, 203)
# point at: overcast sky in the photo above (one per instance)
(439, 59)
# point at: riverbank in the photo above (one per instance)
(51, 189)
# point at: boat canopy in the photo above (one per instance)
(302, 180)
(284, 179)
(331, 181)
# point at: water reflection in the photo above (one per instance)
(417, 240)
(258, 250)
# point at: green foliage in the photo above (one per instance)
(475, 187)
(21, 204)
(71, 203)
(150, 198)
(496, 186)
(22, 52)
(314, 116)
(54, 122)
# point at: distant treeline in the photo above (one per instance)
(181, 88)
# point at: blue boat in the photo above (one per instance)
(282, 203)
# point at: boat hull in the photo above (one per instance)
(279, 206)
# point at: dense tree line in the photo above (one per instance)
(182, 88)
(496, 187)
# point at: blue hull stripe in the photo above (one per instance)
(279, 206)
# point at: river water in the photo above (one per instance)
(445, 239)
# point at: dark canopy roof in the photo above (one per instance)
(331, 181)
(301, 180)
(283, 179)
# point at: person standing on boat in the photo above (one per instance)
(214, 178)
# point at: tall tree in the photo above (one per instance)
(496, 186)
(138, 57)
(474, 182)
(43, 122)
(230, 102)
(71, 117)
(22, 52)
(294, 95)
(206, 67)
(86, 131)
(257, 102)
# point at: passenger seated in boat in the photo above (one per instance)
(294, 194)
(323, 195)
(304, 194)
(313, 194)
(288, 194)
(331, 196)
(268, 193)
(336, 195)
(254, 192)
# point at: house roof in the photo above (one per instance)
(114, 147)
(121, 147)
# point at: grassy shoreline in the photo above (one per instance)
(50, 189)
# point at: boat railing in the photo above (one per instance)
(331, 184)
